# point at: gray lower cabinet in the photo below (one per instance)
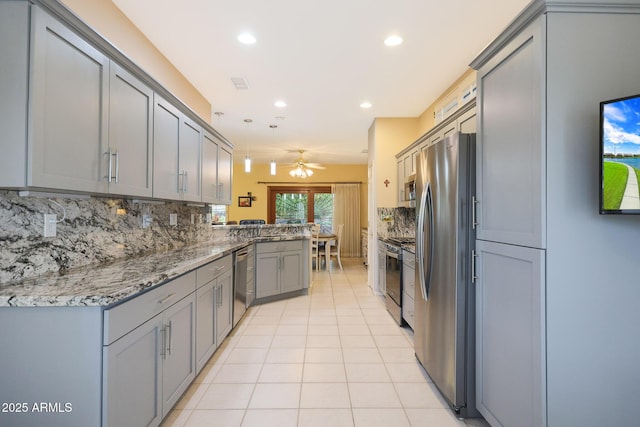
(280, 268)
(510, 334)
(133, 377)
(408, 287)
(214, 313)
(146, 369)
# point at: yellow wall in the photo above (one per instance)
(105, 18)
(244, 182)
(391, 136)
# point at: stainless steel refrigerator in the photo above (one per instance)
(444, 330)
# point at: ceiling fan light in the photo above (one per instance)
(309, 172)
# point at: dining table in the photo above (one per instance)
(326, 240)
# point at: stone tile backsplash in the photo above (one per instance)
(396, 222)
(91, 230)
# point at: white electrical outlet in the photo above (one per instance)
(173, 219)
(146, 221)
(50, 225)
(193, 219)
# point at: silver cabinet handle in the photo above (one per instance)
(169, 326)
(167, 298)
(181, 182)
(163, 348)
(474, 218)
(474, 255)
(117, 154)
(109, 165)
(186, 182)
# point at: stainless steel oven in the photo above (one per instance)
(393, 276)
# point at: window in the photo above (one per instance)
(299, 205)
(219, 213)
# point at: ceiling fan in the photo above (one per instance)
(302, 169)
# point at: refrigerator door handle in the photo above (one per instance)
(429, 254)
(426, 207)
(420, 242)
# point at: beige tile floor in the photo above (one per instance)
(330, 358)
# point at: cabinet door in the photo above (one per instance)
(205, 324)
(209, 168)
(70, 84)
(224, 303)
(400, 184)
(178, 366)
(510, 334)
(128, 161)
(166, 134)
(132, 378)
(225, 174)
(267, 274)
(510, 145)
(189, 164)
(467, 122)
(291, 271)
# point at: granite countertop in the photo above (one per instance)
(107, 284)
(411, 247)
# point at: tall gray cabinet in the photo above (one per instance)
(552, 339)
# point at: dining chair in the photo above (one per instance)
(315, 233)
(334, 250)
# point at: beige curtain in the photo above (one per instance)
(346, 210)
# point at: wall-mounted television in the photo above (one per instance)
(620, 156)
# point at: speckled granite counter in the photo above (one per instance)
(110, 283)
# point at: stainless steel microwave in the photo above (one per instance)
(410, 191)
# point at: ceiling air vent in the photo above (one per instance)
(240, 83)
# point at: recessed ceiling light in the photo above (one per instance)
(280, 104)
(246, 38)
(393, 41)
(365, 104)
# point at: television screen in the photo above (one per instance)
(620, 156)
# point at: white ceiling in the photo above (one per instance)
(323, 58)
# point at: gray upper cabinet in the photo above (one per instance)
(209, 168)
(166, 137)
(70, 95)
(467, 122)
(217, 166)
(77, 115)
(176, 154)
(129, 162)
(510, 155)
(190, 158)
(225, 174)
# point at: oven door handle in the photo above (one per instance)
(393, 255)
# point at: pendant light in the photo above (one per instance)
(272, 165)
(247, 159)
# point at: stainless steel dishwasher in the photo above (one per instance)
(243, 283)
